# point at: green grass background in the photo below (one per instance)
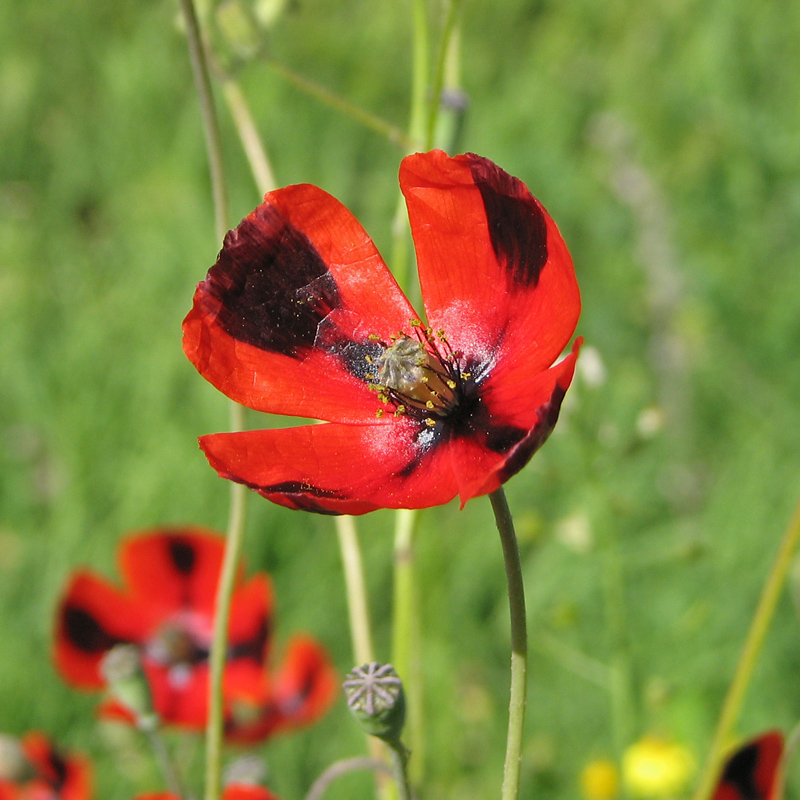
(664, 138)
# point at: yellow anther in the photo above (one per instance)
(373, 337)
(429, 404)
(368, 359)
(379, 413)
(452, 384)
(415, 323)
(465, 376)
(399, 410)
(430, 422)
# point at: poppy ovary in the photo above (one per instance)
(417, 375)
(173, 645)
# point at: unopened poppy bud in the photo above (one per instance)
(122, 669)
(14, 765)
(375, 695)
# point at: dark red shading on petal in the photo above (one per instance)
(751, 772)
(302, 692)
(68, 776)
(91, 618)
(495, 272)
(282, 321)
(173, 569)
(250, 624)
(338, 469)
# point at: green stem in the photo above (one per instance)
(321, 93)
(165, 761)
(235, 534)
(343, 767)
(419, 75)
(451, 15)
(400, 769)
(219, 642)
(358, 611)
(405, 629)
(248, 135)
(202, 82)
(747, 660)
(355, 587)
(519, 644)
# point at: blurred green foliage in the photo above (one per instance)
(663, 138)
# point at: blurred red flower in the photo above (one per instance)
(751, 771)
(33, 769)
(166, 609)
(234, 791)
(300, 316)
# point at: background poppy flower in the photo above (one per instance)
(166, 608)
(234, 791)
(298, 694)
(301, 316)
(751, 771)
(43, 772)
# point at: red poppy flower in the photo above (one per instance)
(38, 771)
(750, 773)
(300, 693)
(234, 791)
(166, 608)
(300, 316)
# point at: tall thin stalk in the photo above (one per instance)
(235, 532)
(519, 644)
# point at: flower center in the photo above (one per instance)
(418, 375)
(173, 645)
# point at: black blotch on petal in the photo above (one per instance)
(85, 632)
(517, 226)
(182, 554)
(740, 772)
(272, 285)
(524, 450)
(57, 769)
(254, 647)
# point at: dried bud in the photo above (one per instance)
(375, 695)
(122, 669)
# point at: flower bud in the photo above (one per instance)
(122, 669)
(375, 695)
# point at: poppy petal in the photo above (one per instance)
(69, 777)
(250, 623)
(303, 691)
(335, 468)
(307, 683)
(174, 569)
(180, 693)
(282, 322)
(751, 772)
(247, 791)
(495, 272)
(92, 617)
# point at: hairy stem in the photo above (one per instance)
(519, 644)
